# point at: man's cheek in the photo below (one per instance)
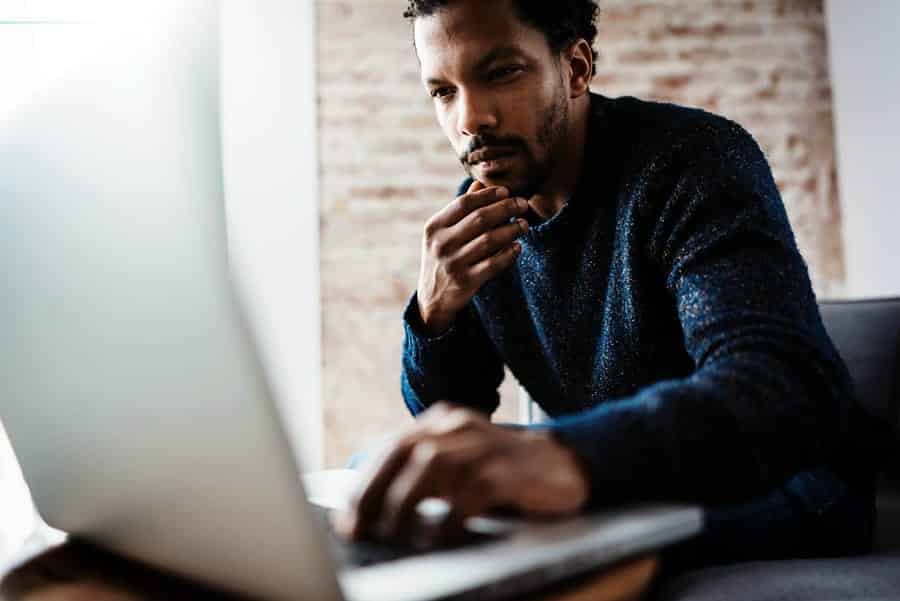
(446, 123)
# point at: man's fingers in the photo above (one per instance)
(476, 495)
(421, 478)
(367, 506)
(494, 265)
(475, 186)
(491, 242)
(488, 217)
(465, 204)
(435, 468)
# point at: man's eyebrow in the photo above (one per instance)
(497, 54)
(500, 53)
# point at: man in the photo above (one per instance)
(633, 266)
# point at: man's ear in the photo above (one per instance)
(580, 59)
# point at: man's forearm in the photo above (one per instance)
(737, 427)
(459, 366)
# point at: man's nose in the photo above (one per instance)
(476, 114)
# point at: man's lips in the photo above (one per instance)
(490, 154)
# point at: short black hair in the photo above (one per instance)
(561, 21)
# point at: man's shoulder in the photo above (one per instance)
(663, 145)
(649, 130)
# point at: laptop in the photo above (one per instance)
(130, 385)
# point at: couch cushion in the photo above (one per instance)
(866, 334)
(887, 529)
(869, 578)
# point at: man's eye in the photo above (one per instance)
(504, 72)
(441, 93)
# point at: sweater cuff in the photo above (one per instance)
(418, 340)
(617, 453)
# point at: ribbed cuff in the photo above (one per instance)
(616, 451)
(419, 342)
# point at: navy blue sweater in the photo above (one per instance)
(664, 318)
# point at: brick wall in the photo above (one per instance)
(386, 167)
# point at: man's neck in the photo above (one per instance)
(561, 184)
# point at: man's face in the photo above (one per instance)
(498, 91)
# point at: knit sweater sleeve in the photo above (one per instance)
(461, 366)
(768, 392)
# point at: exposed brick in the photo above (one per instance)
(703, 54)
(672, 83)
(642, 56)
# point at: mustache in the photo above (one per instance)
(487, 140)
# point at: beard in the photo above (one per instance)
(551, 136)
(532, 172)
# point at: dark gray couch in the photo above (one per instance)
(867, 334)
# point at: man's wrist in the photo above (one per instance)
(434, 321)
(570, 472)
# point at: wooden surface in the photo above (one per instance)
(75, 571)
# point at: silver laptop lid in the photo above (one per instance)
(128, 386)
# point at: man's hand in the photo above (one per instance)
(458, 455)
(467, 243)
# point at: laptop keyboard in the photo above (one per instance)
(358, 554)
